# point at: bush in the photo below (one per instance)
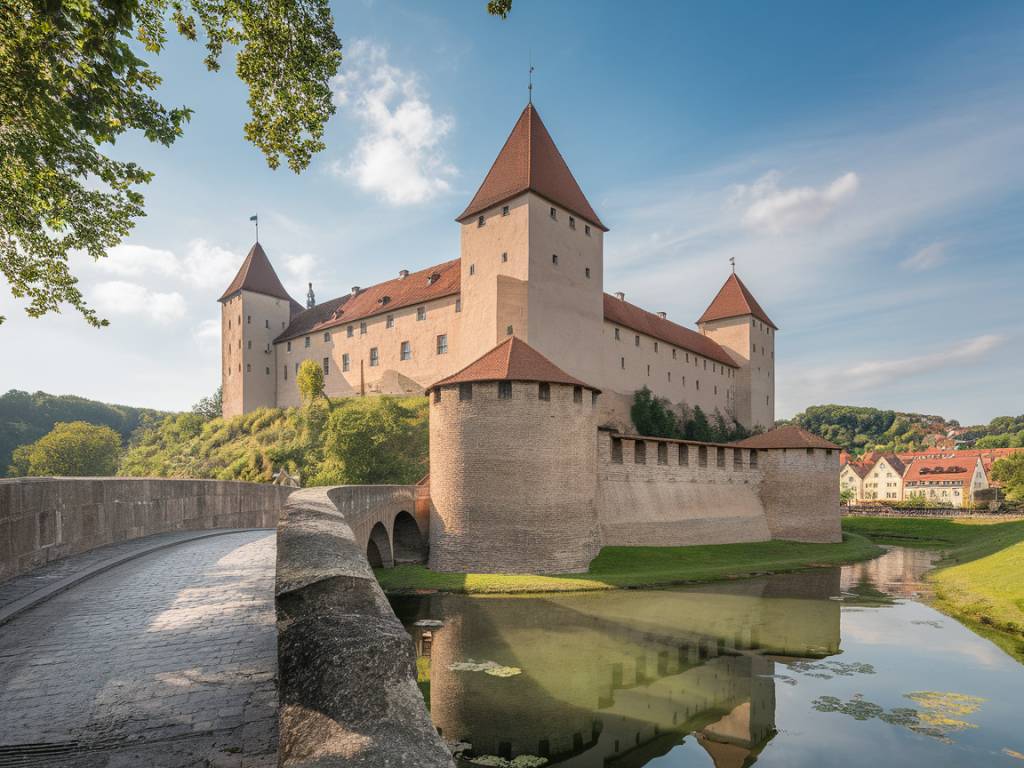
(70, 449)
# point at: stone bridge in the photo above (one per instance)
(141, 623)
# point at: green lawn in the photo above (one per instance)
(617, 567)
(980, 579)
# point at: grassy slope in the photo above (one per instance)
(980, 579)
(618, 567)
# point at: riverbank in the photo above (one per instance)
(980, 579)
(633, 567)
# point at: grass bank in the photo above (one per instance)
(979, 581)
(619, 567)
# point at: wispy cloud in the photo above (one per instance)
(399, 155)
(927, 258)
(121, 297)
(773, 209)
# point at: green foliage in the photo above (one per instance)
(70, 449)
(310, 381)
(210, 407)
(846, 495)
(74, 79)
(1009, 472)
(352, 440)
(25, 417)
(653, 417)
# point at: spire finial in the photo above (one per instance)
(732, 262)
(255, 219)
(529, 88)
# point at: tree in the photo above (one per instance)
(210, 407)
(698, 428)
(70, 449)
(72, 81)
(310, 381)
(652, 416)
(846, 495)
(1009, 472)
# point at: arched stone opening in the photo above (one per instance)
(410, 546)
(378, 548)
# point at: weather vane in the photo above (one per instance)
(732, 261)
(255, 219)
(529, 88)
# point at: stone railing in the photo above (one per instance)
(346, 667)
(46, 518)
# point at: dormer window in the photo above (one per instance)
(480, 221)
(383, 300)
(434, 276)
(554, 215)
(504, 210)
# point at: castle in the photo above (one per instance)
(530, 368)
(531, 266)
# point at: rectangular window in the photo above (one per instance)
(307, 342)
(437, 394)
(504, 257)
(406, 351)
(684, 456)
(248, 344)
(674, 354)
(266, 323)
(289, 346)
(702, 455)
(586, 271)
(442, 344)
(296, 369)
(286, 373)
(508, 330)
(472, 269)
(636, 341)
(389, 322)
(268, 370)
(617, 334)
(737, 458)
(593, 397)
(504, 210)
(554, 214)
(344, 362)
(504, 390)
(622, 363)
(639, 452)
(248, 319)
(480, 221)
(663, 453)
(348, 331)
(577, 394)
(572, 223)
(586, 229)
(421, 313)
(458, 305)
(248, 367)
(655, 346)
(327, 335)
(544, 391)
(374, 357)
(465, 391)
(554, 259)
(362, 328)
(720, 458)
(616, 450)
(810, 451)
(327, 366)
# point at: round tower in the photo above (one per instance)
(513, 466)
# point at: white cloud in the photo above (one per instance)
(300, 265)
(927, 258)
(120, 297)
(208, 329)
(774, 210)
(138, 260)
(398, 156)
(209, 266)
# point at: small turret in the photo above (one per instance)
(310, 298)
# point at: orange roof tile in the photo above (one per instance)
(512, 360)
(623, 313)
(789, 436)
(257, 275)
(531, 161)
(734, 300)
(958, 471)
(415, 288)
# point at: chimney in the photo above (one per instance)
(355, 289)
(403, 273)
(662, 315)
(620, 296)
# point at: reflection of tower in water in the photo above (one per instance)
(616, 679)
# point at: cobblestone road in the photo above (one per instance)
(167, 660)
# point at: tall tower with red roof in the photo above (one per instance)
(736, 322)
(532, 255)
(255, 309)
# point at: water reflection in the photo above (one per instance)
(621, 679)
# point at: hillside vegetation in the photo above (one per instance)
(859, 429)
(355, 440)
(25, 417)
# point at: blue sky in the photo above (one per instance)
(863, 162)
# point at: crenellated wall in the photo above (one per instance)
(46, 518)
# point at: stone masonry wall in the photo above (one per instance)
(661, 502)
(44, 519)
(512, 482)
(799, 493)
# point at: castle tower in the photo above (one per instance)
(513, 466)
(532, 255)
(736, 321)
(255, 308)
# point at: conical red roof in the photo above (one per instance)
(257, 275)
(531, 161)
(734, 300)
(513, 360)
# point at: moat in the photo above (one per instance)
(837, 666)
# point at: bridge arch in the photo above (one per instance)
(378, 548)
(410, 545)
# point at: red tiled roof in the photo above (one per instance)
(257, 275)
(860, 469)
(959, 471)
(512, 360)
(988, 456)
(416, 288)
(531, 161)
(623, 313)
(734, 300)
(789, 436)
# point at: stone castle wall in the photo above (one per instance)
(799, 494)
(512, 482)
